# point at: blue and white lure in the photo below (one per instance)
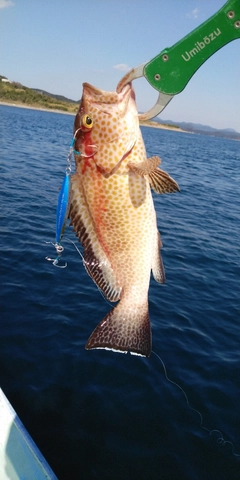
(63, 207)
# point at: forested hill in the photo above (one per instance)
(15, 93)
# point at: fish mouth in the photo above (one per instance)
(100, 97)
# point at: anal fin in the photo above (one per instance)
(157, 263)
(160, 181)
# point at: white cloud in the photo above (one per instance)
(194, 13)
(123, 67)
(6, 3)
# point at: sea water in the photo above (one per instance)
(103, 415)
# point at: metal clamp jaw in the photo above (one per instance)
(170, 71)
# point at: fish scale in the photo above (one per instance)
(113, 215)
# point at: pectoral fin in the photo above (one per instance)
(159, 180)
(146, 167)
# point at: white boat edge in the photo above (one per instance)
(20, 458)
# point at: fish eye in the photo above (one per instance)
(87, 122)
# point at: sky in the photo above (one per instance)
(56, 45)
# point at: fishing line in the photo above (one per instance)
(61, 219)
(220, 439)
(84, 264)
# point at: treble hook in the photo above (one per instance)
(55, 261)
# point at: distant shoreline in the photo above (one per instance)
(32, 107)
(148, 123)
(152, 124)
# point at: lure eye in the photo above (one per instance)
(87, 122)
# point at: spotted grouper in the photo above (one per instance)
(113, 215)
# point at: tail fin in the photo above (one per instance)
(124, 330)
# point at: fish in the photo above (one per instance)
(112, 214)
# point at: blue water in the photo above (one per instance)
(103, 415)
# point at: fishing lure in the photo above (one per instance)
(63, 207)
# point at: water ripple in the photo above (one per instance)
(110, 415)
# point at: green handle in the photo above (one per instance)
(172, 69)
